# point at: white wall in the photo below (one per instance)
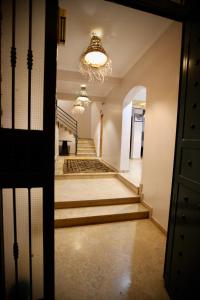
(84, 120)
(158, 71)
(125, 138)
(96, 108)
(112, 133)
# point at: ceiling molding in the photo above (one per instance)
(66, 75)
(67, 96)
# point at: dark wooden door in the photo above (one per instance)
(182, 262)
(27, 126)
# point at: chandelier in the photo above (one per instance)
(81, 101)
(94, 61)
(78, 108)
(83, 97)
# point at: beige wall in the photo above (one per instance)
(95, 124)
(84, 120)
(158, 71)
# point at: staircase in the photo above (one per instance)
(95, 211)
(68, 122)
(86, 147)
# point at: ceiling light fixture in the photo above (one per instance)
(94, 61)
(83, 97)
(78, 108)
(81, 101)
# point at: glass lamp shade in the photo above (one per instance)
(78, 109)
(83, 98)
(96, 59)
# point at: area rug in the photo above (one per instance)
(85, 166)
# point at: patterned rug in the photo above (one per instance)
(85, 166)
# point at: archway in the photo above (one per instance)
(136, 97)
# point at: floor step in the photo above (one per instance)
(84, 139)
(100, 214)
(96, 202)
(86, 154)
(86, 147)
(85, 142)
(86, 150)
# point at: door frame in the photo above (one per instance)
(25, 176)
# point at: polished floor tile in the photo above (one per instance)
(90, 188)
(122, 260)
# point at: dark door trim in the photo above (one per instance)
(49, 129)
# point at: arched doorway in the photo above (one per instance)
(132, 126)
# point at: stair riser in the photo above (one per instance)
(99, 202)
(100, 219)
(86, 155)
(86, 149)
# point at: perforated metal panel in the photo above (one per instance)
(28, 79)
(183, 245)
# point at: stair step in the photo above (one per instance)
(99, 214)
(86, 147)
(86, 154)
(86, 142)
(97, 202)
(88, 151)
(85, 139)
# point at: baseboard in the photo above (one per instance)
(159, 226)
(148, 207)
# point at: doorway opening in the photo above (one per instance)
(119, 121)
(132, 141)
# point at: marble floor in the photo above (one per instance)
(90, 188)
(122, 260)
(135, 172)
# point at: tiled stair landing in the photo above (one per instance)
(101, 210)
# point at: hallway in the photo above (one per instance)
(113, 261)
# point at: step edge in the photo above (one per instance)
(101, 219)
(96, 202)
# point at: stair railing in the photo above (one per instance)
(68, 122)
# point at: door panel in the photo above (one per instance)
(27, 125)
(30, 265)
(183, 244)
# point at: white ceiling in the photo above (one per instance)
(127, 34)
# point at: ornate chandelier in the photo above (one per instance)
(81, 101)
(78, 108)
(83, 97)
(94, 61)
